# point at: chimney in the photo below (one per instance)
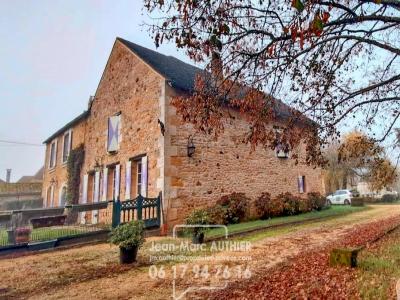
(8, 176)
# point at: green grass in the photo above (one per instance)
(379, 269)
(50, 233)
(259, 224)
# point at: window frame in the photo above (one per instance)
(69, 134)
(303, 189)
(53, 162)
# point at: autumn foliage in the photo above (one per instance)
(310, 54)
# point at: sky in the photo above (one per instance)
(52, 55)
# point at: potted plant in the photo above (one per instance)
(129, 237)
(22, 235)
(197, 219)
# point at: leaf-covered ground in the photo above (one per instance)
(286, 263)
(308, 275)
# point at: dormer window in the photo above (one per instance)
(281, 149)
(114, 133)
(67, 144)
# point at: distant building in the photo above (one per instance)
(26, 193)
(37, 178)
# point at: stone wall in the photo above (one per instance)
(224, 166)
(131, 87)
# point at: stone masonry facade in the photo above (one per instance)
(137, 92)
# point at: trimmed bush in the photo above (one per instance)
(388, 198)
(357, 201)
(217, 215)
(275, 208)
(305, 205)
(317, 201)
(291, 204)
(262, 205)
(236, 205)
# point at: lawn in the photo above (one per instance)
(51, 233)
(336, 210)
(379, 269)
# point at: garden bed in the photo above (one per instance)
(248, 227)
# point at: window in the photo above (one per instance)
(63, 196)
(301, 182)
(281, 149)
(114, 130)
(53, 154)
(50, 196)
(67, 144)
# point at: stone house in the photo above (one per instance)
(136, 143)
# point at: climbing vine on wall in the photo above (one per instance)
(74, 166)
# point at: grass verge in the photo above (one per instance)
(51, 233)
(379, 269)
(333, 211)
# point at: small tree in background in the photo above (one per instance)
(358, 157)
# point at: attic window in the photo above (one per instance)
(281, 149)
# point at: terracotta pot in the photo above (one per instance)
(127, 255)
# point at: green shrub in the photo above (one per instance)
(262, 205)
(197, 217)
(357, 201)
(217, 215)
(236, 205)
(317, 200)
(128, 235)
(291, 204)
(367, 199)
(275, 207)
(305, 205)
(389, 198)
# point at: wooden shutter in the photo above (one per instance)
(144, 178)
(128, 174)
(52, 196)
(85, 189)
(96, 197)
(55, 153)
(300, 183)
(117, 175)
(105, 184)
(114, 132)
(84, 197)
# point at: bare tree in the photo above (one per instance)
(331, 60)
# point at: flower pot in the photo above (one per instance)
(127, 255)
(198, 238)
